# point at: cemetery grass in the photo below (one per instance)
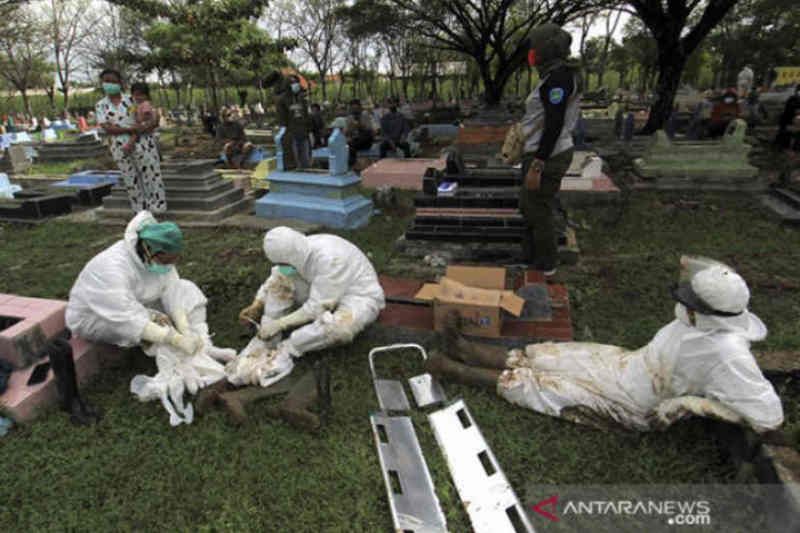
(65, 168)
(135, 472)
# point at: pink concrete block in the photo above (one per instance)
(13, 310)
(24, 403)
(20, 328)
(399, 173)
(6, 298)
(52, 323)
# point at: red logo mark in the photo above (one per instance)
(551, 501)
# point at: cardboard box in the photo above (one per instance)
(478, 294)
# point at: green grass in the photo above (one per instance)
(134, 472)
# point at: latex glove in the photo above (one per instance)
(252, 313)
(269, 328)
(188, 344)
(181, 321)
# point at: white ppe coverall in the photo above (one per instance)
(703, 369)
(336, 289)
(115, 297)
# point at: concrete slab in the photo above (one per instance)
(39, 320)
(399, 173)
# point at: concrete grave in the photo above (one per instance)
(328, 197)
(400, 173)
(7, 189)
(713, 165)
(195, 192)
(33, 206)
(26, 325)
(91, 148)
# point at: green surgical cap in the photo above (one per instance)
(162, 237)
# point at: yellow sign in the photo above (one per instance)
(787, 75)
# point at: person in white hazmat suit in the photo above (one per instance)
(131, 295)
(698, 364)
(323, 284)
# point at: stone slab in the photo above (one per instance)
(188, 217)
(403, 174)
(24, 403)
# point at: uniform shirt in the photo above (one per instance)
(551, 113)
(120, 115)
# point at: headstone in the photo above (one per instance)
(339, 152)
(7, 190)
(279, 159)
(629, 126)
(19, 159)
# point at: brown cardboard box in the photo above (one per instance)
(479, 296)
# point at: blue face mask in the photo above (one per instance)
(287, 270)
(158, 268)
(112, 88)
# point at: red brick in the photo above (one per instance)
(399, 287)
(407, 316)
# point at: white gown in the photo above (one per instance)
(711, 360)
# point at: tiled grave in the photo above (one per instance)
(330, 198)
(399, 173)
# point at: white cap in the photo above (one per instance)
(722, 289)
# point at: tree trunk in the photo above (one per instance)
(670, 67)
(26, 104)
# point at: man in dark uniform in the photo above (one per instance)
(551, 112)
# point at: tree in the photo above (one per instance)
(116, 40)
(678, 26)
(23, 54)
(69, 24)
(316, 29)
(611, 22)
(491, 32)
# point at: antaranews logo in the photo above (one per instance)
(673, 512)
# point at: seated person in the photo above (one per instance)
(698, 364)
(130, 294)
(395, 129)
(359, 131)
(237, 148)
(322, 285)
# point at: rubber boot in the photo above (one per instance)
(234, 402)
(295, 409)
(446, 369)
(59, 352)
(471, 353)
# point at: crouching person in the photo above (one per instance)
(698, 364)
(131, 295)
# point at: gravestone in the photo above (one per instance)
(195, 193)
(324, 197)
(718, 165)
(90, 148)
(16, 160)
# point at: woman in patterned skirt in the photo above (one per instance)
(141, 167)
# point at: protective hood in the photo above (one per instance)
(142, 219)
(552, 45)
(286, 246)
(746, 325)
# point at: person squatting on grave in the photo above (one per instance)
(337, 291)
(141, 166)
(551, 112)
(698, 364)
(359, 131)
(131, 295)
(395, 129)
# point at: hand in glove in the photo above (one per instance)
(252, 313)
(269, 328)
(189, 344)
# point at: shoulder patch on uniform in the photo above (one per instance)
(556, 95)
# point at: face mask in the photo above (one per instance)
(112, 88)
(287, 270)
(295, 88)
(532, 57)
(151, 265)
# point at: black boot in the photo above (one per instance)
(61, 361)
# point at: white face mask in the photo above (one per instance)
(295, 88)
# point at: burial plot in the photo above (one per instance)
(330, 198)
(195, 193)
(700, 165)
